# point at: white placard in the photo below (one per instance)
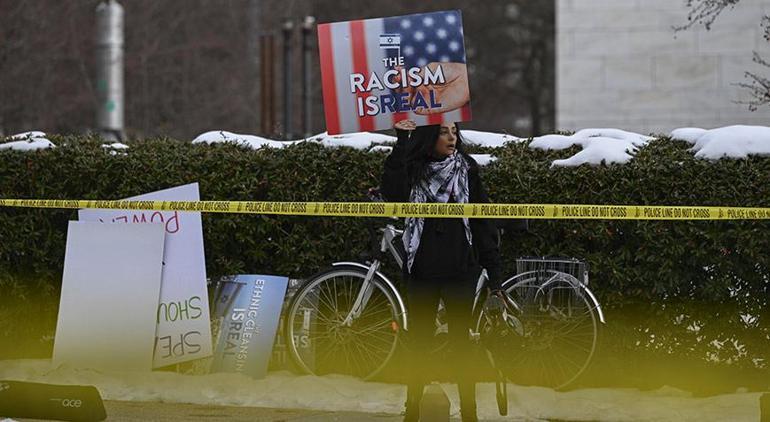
(110, 289)
(184, 328)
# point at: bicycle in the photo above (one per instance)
(348, 319)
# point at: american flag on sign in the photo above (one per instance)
(362, 47)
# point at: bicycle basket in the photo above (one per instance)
(571, 266)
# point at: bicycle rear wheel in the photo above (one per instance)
(557, 330)
(318, 340)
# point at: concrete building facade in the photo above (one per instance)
(620, 64)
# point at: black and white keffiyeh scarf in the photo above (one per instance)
(443, 179)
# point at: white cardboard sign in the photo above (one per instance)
(110, 289)
(184, 328)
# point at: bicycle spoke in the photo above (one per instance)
(388, 341)
(376, 326)
(326, 300)
(574, 344)
(361, 349)
(365, 358)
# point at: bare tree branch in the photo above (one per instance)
(758, 86)
(705, 12)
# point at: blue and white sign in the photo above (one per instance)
(251, 309)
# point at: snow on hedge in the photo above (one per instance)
(358, 140)
(726, 142)
(250, 141)
(488, 139)
(599, 145)
(28, 141)
(609, 146)
(373, 142)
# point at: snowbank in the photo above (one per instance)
(726, 142)
(340, 393)
(28, 141)
(599, 145)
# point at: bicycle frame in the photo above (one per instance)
(386, 245)
(389, 233)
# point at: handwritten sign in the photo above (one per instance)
(182, 314)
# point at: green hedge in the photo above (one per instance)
(658, 278)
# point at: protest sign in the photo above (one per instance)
(182, 314)
(376, 72)
(281, 358)
(250, 308)
(110, 289)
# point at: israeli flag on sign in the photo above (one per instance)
(390, 41)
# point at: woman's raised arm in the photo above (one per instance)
(394, 184)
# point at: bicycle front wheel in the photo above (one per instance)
(319, 339)
(557, 331)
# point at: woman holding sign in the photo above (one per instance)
(444, 256)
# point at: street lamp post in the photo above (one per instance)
(109, 70)
(288, 29)
(307, 29)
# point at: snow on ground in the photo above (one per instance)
(28, 141)
(599, 145)
(340, 393)
(726, 142)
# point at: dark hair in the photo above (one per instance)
(423, 142)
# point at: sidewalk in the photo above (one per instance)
(125, 411)
(137, 411)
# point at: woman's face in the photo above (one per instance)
(447, 141)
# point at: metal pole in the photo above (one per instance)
(288, 29)
(307, 121)
(255, 51)
(109, 70)
(267, 84)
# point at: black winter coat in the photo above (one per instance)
(444, 250)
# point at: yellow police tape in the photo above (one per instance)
(397, 209)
